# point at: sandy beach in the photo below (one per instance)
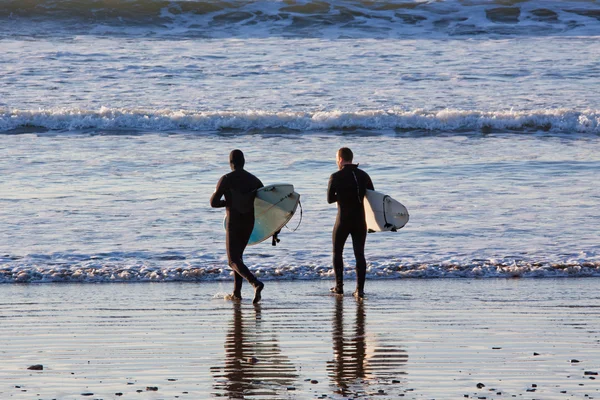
(530, 339)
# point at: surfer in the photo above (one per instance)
(347, 187)
(239, 189)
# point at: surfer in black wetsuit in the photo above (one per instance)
(239, 189)
(347, 187)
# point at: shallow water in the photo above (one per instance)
(102, 208)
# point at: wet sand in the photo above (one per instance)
(413, 339)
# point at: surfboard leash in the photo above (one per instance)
(299, 222)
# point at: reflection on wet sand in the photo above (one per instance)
(254, 365)
(359, 359)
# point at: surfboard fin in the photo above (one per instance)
(275, 238)
(388, 225)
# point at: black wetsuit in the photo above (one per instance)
(347, 187)
(239, 188)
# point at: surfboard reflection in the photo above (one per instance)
(359, 358)
(254, 364)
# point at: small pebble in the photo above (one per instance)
(151, 388)
(590, 373)
(395, 381)
(536, 354)
(533, 385)
(87, 394)
(314, 381)
(36, 367)
(291, 388)
(480, 385)
(118, 394)
(574, 361)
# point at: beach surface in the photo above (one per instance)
(417, 339)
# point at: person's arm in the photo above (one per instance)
(216, 200)
(369, 183)
(331, 193)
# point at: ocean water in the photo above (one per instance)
(116, 120)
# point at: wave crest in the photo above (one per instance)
(305, 18)
(447, 120)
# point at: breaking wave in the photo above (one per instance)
(444, 121)
(305, 18)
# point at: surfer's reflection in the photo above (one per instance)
(359, 358)
(254, 365)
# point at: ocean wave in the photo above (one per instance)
(143, 271)
(252, 121)
(306, 18)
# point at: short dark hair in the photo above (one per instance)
(346, 154)
(236, 158)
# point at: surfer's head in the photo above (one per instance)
(236, 159)
(344, 156)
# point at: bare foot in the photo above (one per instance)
(233, 297)
(336, 291)
(257, 290)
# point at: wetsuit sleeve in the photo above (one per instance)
(331, 193)
(216, 200)
(369, 183)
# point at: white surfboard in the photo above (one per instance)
(274, 206)
(384, 213)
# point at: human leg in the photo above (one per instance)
(237, 240)
(340, 234)
(359, 238)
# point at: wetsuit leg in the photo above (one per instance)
(340, 234)
(238, 235)
(238, 280)
(359, 238)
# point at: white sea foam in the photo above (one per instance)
(97, 272)
(448, 120)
